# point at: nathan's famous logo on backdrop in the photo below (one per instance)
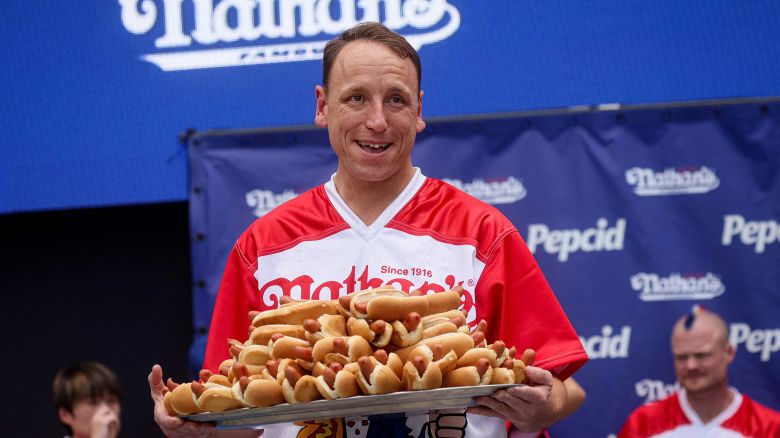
(493, 191)
(608, 344)
(653, 390)
(287, 30)
(763, 341)
(263, 201)
(691, 286)
(672, 181)
(566, 242)
(756, 233)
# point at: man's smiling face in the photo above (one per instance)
(373, 111)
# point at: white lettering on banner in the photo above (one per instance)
(695, 286)
(653, 390)
(758, 233)
(228, 21)
(264, 201)
(606, 345)
(765, 341)
(672, 181)
(494, 192)
(565, 242)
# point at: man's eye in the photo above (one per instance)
(396, 100)
(356, 98)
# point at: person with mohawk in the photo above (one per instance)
(705, 406)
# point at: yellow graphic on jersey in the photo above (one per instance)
(320, 428)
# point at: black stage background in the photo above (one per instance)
(107, 284)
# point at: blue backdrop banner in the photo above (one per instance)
(634, 216)
(93, 95)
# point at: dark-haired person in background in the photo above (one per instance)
(705, 406)
(87, 398)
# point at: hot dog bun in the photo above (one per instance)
(214, 397)
(473, 375)
(444, 301)
(258, 392)
(296, 313)
(360, 300)
(261, 335)
(297, 388)
(407, 331)
(183, 400)
(457, 342)
(284, 347)
(502, 375)
(333, 385)
(420, 373)
(375, 378)
(324, 326)
(471, 357)
(350, 347)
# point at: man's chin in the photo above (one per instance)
(693, 386)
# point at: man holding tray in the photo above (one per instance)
(380, 221)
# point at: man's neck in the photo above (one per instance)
(710, 403)
(367, 200)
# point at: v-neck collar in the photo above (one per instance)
(736, 401)
(369, 231)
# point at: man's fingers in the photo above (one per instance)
(524, 394)
(166, 421)
(538, 376)
(156, 383)
(499, 408)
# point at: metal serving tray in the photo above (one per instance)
(358, 406)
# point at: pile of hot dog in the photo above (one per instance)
(375, 341)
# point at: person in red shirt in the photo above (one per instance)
(380, 221)
(706, 405)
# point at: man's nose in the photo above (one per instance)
(376, 120)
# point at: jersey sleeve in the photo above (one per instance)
(237, 296)
(634, 427)
(520, 308)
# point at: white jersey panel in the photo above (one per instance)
(391, 257)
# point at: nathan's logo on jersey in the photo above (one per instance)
(289, 30)
(494, 191)
(608, 345)
(263, 201)
(653, 390)
(694, 286)
(565, 242)
(763, 341)
(304, 287)
(756, 233)
(672, 181)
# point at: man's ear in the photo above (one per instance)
(321, 116)
(420, 121)
(66, 417)
(730, 352)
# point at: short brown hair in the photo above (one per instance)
(369, 31)
(84, 380)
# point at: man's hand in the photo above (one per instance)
(172, 427)
(105, 422)
(529, 408)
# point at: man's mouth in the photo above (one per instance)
(373, 147)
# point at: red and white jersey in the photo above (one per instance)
(673, 417)
(432, 237)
